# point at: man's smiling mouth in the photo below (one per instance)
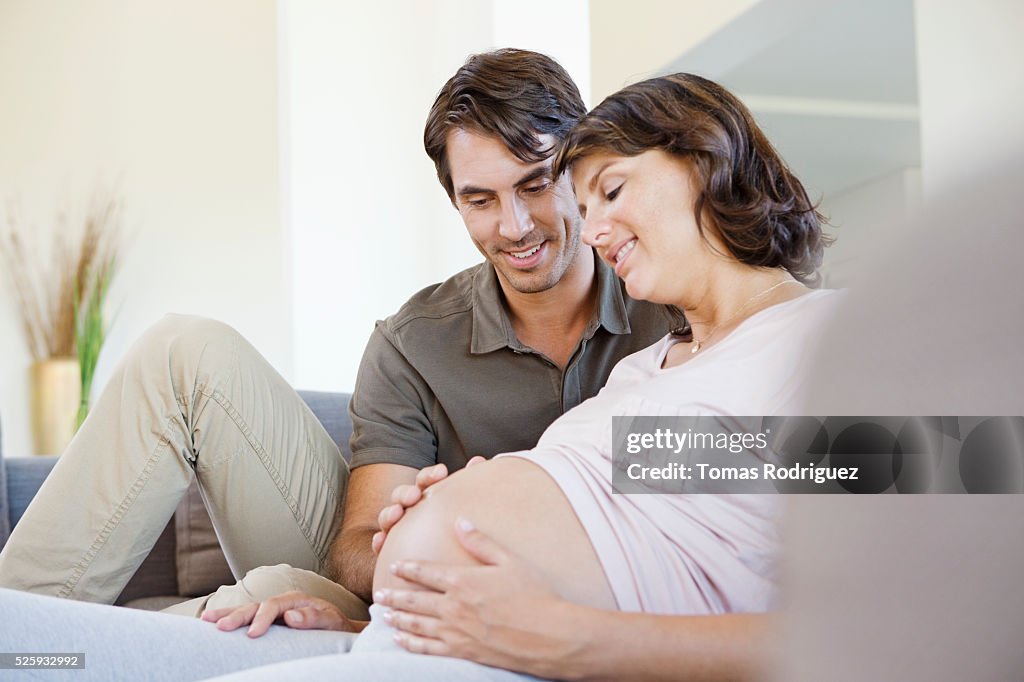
(526, 254)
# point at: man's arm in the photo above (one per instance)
(392, 438)
(351, 559)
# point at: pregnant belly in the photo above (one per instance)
(515, 502)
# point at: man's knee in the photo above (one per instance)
(190, 334)
(185, 341)
(264, 582)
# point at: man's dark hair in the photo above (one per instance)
(754, 202)
(514, 95)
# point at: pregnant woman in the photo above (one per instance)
(684, 196)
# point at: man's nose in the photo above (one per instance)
(516, 221)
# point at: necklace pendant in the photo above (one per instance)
(696, 347)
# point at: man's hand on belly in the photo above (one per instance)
(405, 496)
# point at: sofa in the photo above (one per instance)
(186, 561)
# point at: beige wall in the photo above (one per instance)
(636, 40)
(177, 102)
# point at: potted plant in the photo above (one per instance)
(61, 311)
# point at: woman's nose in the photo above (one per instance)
(595, 231)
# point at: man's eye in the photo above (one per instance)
(614, 193)
(477, 203)
(536, 189)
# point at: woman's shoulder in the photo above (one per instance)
(813, 300)
(796, 316)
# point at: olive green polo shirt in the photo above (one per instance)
(445, 378)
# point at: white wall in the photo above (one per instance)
(368, 220)
(564, 33)
(970, 58)
(177, 101)
(863, 220)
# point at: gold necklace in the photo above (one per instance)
(698, 344)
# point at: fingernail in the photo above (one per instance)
(381, 595)
(297, 616)
(393, 568)
(399, 638)
(465, 525)
(388, 617)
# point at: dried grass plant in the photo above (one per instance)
(50, 300)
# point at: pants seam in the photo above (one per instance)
(275, 475)
(108, 528)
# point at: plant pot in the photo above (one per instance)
(56, 394)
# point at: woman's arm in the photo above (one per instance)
(503, 614)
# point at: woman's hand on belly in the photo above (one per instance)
(500, 613)
(518, 504)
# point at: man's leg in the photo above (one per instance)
(127, 644)
(192, 397)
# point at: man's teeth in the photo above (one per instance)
(526, 254)
(625, 250)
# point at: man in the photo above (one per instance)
(483, 362)
(479, 364)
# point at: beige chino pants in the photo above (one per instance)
(191, 398)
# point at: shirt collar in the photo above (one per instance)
(493, 330)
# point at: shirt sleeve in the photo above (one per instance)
(390, 409)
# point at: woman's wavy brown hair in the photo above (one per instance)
(755, 204)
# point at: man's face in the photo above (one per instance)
(524, 224)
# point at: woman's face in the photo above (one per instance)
(638, 215)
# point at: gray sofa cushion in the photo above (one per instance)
(332, 411)
(24, 476)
